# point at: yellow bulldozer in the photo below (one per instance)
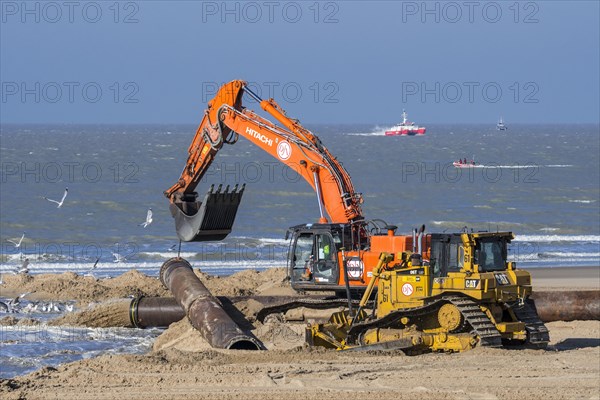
(464, 294)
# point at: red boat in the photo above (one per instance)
(405, 128)
(465, 163)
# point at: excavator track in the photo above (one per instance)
(537, 333)
(477, 319)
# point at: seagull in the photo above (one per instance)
(17, 300)
(60, 203)
(17, 245)
(118, 258)
(30, 308)
(148, 219)
(24, 269)
(90, 272)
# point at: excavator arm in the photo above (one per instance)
(291, 144)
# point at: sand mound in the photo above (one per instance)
(10, 320)
(249, 282)
(183, 337)
(86, 289)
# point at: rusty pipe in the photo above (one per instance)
(583, 305)
(160, 312)
(203, 310)
(146, 312)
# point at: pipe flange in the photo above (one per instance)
(170, 263)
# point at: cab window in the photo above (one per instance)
(303, 250)
(325, 248)
(491, 255)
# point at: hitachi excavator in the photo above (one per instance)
(444, 292)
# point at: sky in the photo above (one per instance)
(324, 62)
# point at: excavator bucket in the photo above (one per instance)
(209, 220)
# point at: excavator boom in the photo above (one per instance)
(292, 144)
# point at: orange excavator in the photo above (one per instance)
(341, 236)
(439, 291)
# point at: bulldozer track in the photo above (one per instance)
(477, 319)
(537, 333)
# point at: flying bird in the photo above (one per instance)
(24, 269)
(148, 219)
(90, 272)
(118, 258)
(60, 203)
(17, 245)
(17, 300)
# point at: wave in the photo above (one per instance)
(558, 238)
(226, 262)
(23, 351)
(582, 201)
(567, 254)
(377, 131)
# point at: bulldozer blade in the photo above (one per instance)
(209, 220)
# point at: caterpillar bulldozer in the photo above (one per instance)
(466, 294)
(443, 292)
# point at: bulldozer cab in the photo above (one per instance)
(473, 252)
(444, 254)
(313, 254)
(491, 254)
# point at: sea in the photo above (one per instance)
(540, 182)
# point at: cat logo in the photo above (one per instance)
(502, 279)
(471, 283)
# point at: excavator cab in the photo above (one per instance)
(314, 253)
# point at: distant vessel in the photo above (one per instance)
(500, 125)
(405, 128)
(464, 163)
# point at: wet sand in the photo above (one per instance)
(182, 365)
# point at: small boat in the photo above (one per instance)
(500, 125)
(405, 128)
(465, 163)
